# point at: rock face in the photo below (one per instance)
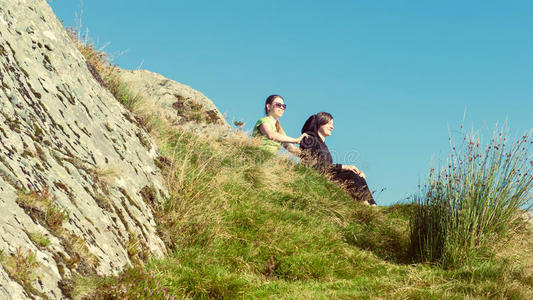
(177, 103)
(77, 173)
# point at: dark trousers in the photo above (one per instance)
(355, 184)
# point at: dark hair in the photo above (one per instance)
(270, 99)
(323, 118)
(315, 121)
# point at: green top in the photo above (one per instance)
(268, 144)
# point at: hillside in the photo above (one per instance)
(240, 223)
(119, 184)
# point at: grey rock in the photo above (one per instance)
(61, 132)
(177, 103)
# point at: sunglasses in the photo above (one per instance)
(279, 105)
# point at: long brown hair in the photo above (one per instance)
(270, 100)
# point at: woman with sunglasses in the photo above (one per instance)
(270, 131)
(316, 154)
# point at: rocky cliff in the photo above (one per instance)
(78, 180)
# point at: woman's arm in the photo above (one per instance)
(292, 149)
(355, 170)
(275, 136)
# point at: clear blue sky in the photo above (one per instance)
(394, 74)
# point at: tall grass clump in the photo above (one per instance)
(473, 201)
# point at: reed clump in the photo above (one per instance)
(473, 201)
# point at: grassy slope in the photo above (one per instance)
(243, 224)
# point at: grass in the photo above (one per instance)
(102, 69)
(474, 201)
(242, 223)
(39, 239)
(22, 267)
(41, 207)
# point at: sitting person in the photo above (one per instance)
(316, 154)
(269, 128)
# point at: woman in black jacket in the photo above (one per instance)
(316, 154)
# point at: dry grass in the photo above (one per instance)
(41, 207)
(196, 180)
(105, 175)
(102, 69)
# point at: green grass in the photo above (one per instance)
(474, 201)
(39, 239)
(242, 223)
(22, 266)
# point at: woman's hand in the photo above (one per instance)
(299, 139)
(355, 170)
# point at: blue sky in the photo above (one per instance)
(396, 75)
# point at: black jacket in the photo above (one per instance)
(316, 154)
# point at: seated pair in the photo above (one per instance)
(313, 150)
